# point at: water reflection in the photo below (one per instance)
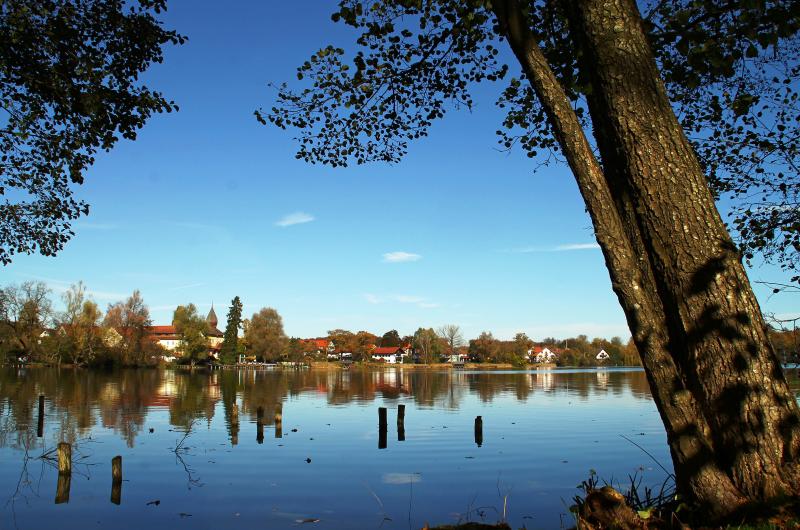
(120, 401)
(266, 444)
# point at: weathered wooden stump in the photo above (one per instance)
(260, 432)
(478, 431)
(401, 423)
(383, 427)
(116, 480)
(64, 452)
(40, 425)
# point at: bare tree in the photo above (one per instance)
(452, 334)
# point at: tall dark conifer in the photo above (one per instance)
(231, 337)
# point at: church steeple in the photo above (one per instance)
(212, 318)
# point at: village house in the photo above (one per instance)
(457, 358)
(602, 356)
(539, 355)
(391, 354)
(317, 347)
(168, 338)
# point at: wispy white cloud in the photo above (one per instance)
(576, 246)
(295, 218)
(419, 301)
(557, 248)
(371, 298)
(400, 257)
(408, 299)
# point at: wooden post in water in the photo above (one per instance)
(64, 459)
(279, 420)
(478, 431)
(116, 480)
(260, 425)
(64, 452)
(401, 423)
(40, 426)
(383, 427)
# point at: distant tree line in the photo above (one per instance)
(82, 334)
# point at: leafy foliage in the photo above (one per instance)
(402, 78)
(264, 335)
(391, 338)
(68, 88)
(230, 340)
(192, 329)
(131, 319)
(729, 69)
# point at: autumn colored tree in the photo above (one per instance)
(130, 319)
(484, 348)
(426, 345)
(364, 344)
(78, 326)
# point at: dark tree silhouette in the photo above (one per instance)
(68, 88)
(594, 94)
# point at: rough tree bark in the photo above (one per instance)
(732, 423)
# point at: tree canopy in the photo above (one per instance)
(728, 68)
(69, 87)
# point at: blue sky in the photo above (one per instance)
(207, 204)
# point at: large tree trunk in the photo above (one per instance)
(732, 423)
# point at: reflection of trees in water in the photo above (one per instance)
(78, 400)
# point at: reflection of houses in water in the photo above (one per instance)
(389, 382)
(544, 380)
(602, 379)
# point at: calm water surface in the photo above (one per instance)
(186, 464)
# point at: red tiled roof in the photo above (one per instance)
(321, 343)
(386, 350)
(162, 330)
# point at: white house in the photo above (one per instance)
(602, 355)
(544, 356)
(389, 355)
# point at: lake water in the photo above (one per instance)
(186, 464)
